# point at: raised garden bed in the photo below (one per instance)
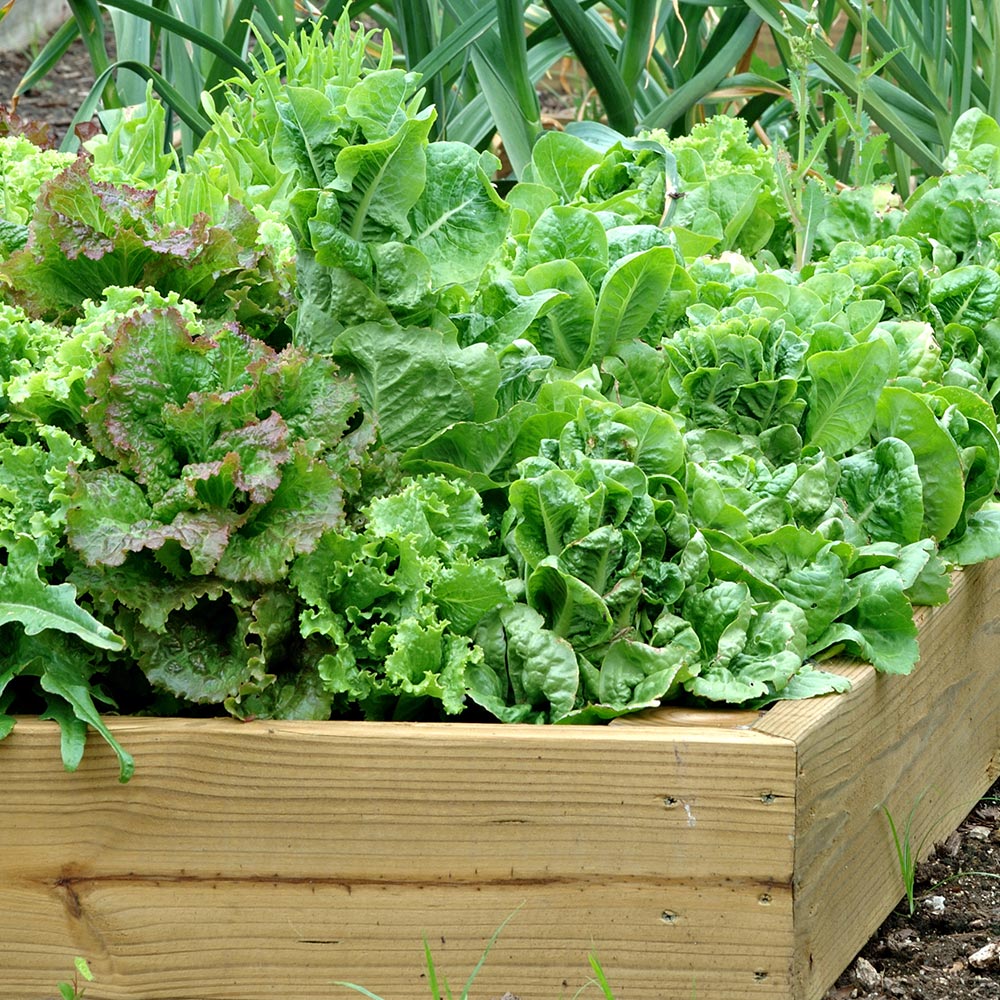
(539, 458)
(717, 856)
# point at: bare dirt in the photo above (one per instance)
(55, 99)
(949, 947)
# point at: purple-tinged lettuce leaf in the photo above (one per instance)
(315, 401)
(246, 459)
(48, 381)
(154, 362)
(87, 235)
(199, 638)
(223, 447)
(72, 253)
(111, 517)
(12, 125)
(307, 503)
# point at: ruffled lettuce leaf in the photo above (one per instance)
(397, 603)
(86, 235)
(222, 447)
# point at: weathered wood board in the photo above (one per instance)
(722, 857)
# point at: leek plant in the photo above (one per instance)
(909, 67)
(891, 77)
(650, 63)
(185, 48)
(907, 854)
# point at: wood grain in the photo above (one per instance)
(202, 940)
(227, 831)
(927, 744)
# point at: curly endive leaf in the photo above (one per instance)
(65, 672)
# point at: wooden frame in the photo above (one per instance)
(715, 856)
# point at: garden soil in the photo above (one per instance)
(949, 948)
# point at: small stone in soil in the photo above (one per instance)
(978, 833)
(952, 845)
(988, 957)
(866, 975)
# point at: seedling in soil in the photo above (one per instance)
(905, 854)
(908, 858)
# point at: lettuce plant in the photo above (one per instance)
(224, 460)
(24, 168)
(397, 602)
(86, 235)
(537, 458)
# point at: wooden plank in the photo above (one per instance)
(928, 742)
(443, 828)
(203, 940)
(235, 799)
